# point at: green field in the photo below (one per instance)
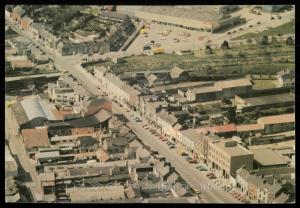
(264, 84)
(288, 28)
(245, 59)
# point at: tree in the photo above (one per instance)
(249, 41)
(231, 115)
(289, 41)
(225, 45)
(264, 40)
(208, 50)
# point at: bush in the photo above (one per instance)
(289, 41)
(225, 45)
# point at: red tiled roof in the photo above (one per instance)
(249, 127)
(35, 138)
(218, 129)
(284, 118)
(86, 130)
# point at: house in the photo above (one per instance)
(143, 155)
(260, 189)
(140, 171)
(226, 156)
(61, 93)
(17, 13)
(155, 79)
(91, 106)
(162, 169)
(88, 144)
(47, 182)
(178, 75)
(286, 78)
(26, 23)
(166, 122)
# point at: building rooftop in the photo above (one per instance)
(267, 157)
(233, 83)
(270, 99)
(169, 118)
(249, 127)
(231, 147)
(35, 108)
(201, 13)
(217, 129)
(92, 194)
(35, 138)
(284, 118)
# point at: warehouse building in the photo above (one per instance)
(31, 113)
(202, 18)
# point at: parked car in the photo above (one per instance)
(250, 25)
(171, 147)
(258, 23)
(193, 161)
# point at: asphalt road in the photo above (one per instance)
(28, 174)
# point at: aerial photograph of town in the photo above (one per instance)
(191, 104)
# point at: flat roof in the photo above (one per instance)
(284, 118)
(200, 13)
(270, 99)
(268, 157)
(232, 150)
(89, 194)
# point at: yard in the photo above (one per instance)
(288, 28)
(264, 84)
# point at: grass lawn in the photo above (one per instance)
(264, 84)
(287, 28)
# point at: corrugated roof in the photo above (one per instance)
(38, 109)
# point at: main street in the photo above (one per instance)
(188, 172)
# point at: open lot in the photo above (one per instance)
(195, 41)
